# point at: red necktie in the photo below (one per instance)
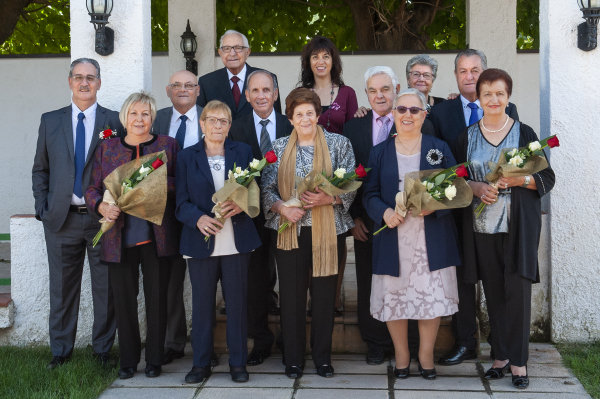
(235, 90)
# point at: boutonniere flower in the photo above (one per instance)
(434, 157)
(335, 106)
(107, 133)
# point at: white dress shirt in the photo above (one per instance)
(192, 127)
(88, 122)
(467, 110)
(270, 126)
(241, 75)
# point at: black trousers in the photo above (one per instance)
(176, 324)
(464, 322)
(124, 280)
(273, 297)
(508, 299)
(294, 268)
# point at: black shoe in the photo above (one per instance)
(197, 375)
(223, 310)
(214, 360)
(274, 310)
(239, 374)
(56, 361)
(103, 358)
(402, 373)
(457, 355)
(170, 355)
(428, 374)
(293, 372)
(338, 312)
(127, 372)
(495, 373)
(256, 357)
(519, 381)
(375, 356)
(153, 371)
(325, 371)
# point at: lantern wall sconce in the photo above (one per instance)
(99, 11)
(189, 45)
(587, 32)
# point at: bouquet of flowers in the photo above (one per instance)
(434, 190)
(138, 188)
(339, 183)
(519, 162)
(241, 188)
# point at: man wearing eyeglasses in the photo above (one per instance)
(229, 83)
(61, 173)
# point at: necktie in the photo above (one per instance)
(265, 140)
(180, 136)
(474, 118)
(235, 90)
(79, 155)
(383, 130)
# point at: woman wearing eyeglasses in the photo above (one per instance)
(421, 71)
(202, 170)
(414, 258)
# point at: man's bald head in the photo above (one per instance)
(183, 90)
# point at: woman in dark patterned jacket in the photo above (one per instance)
(133, 241)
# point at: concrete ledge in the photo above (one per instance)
(7, 311)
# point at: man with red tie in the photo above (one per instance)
(229, 83)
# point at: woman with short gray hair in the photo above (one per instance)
(421, 71)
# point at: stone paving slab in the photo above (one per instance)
(536, 370)
(441, 383)
(179, 366)
(466, 369)
(166, 380)
(245, 393)
(344, 381)
(540, 384)
(148, 393)
(544, 355)
(342, 394)
(534, 395)
(441, 395)
(351, 367)
(270, 365)
(223, 380)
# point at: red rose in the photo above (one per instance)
(461, 171)
(360, 171)
(271, 157)
(553, 142)
(157, 163)
(107, 133)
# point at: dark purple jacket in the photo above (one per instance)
(113, 153)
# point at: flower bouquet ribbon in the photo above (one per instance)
(138, 188)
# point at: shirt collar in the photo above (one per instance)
(89, 113)
(191, 114)
(377, 116)
(465, 102)
(257, 118)
(241, 75)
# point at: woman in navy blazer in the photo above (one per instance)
(414, 258)
(201, 171)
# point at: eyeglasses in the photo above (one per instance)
(187, 86)
(238, 49)
(81, 78)
(211, 120)
(419, 75)
(413, 110)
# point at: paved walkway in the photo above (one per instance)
(355, 379)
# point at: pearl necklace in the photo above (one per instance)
(495, 131)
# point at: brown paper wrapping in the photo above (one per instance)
(533, 165)
(247, 198)
(419, 199)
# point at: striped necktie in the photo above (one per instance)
(265, 140)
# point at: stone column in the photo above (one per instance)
(129, 68)
(569, 108)
(203, 22)
(492, 28)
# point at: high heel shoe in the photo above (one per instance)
(519, 381)
(402, 373)
(495, 373)
(428, 374)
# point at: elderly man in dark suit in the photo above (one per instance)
(229, 83)
(449, 119)
(259, 129)
(181, 121)
(61, 173)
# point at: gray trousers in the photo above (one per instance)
(176, 337)
(66, 254)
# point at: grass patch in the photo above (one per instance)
(584, 360)
(23, 374)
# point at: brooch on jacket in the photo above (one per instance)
(107, 133)
(434, 157)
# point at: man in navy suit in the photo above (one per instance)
(259, 129)
(229, 83)
(449, 119)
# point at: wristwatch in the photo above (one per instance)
(527, 180)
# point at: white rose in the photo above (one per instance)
(450, 192)
(230, 174)
(254, 163)
(236, 175)
(516, 161)
(513, 152)
(144, 170)
(535, 146)
(238, 170)
(340, 173)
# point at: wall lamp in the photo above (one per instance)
(189, 45)
(587, 32)
(100, 10)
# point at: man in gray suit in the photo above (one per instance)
(181, 121)
(61, 173)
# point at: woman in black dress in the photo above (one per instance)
(421, 71)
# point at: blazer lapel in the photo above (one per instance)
(225, 89)
(165, 123)
(98, 127)
(426, 145)
(243, 100)
(68, 130)
(250, 132)
(366, 130)
(280, 126)
(391, 160)
(230, 155)
(458, 114)
(202, 161)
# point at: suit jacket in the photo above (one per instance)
(195, 187)
(380, 189)
(360, 133)
(162, 123)
(53, 173)
(215, 86)
(449, 119)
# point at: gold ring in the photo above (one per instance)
(206, 228)
(311, 202)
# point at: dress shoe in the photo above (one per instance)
(325, 370)
(274, 310)
(223, 310)
(428, 374)
(256, 357)
(102, 358)
(170, 355)
(126, 373)
(293, 372)
(214, 360)
(457, 355)
(56, 361)
(153, 371)
(197, 375)
(375, 356)
(495, 373)
(338, 312)
(239, 374)
(402, 373)
(520, 381)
